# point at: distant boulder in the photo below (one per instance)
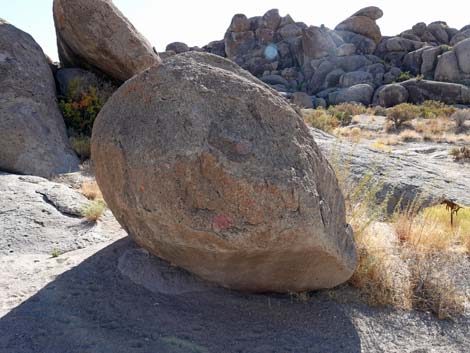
(363, 23)
(33, 139)
(177, 47)
(94, 34)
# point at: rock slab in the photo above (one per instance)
(232, 187)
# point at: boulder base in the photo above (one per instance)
(210, 169)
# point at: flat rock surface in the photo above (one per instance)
(406, 170)
(106, 295)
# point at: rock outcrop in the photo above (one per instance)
(39, 216)
(401, 176)
(326, 64)
(233, 187)
(94, 34)
(33, 139)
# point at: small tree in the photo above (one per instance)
(401, 114)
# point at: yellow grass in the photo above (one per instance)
(94, 210)
(91, 190)
(405, 260)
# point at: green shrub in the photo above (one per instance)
(404, 76)
(320, 119)
(344, 112)
(80, 109)
(81, 146)
(402, 113)
(434, 109)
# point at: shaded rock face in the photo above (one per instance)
(33, 139)
(233, 188)
(94, 34)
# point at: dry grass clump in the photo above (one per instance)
(379, 145)
(320, 119)
(461, 154)
(94, 210)
(409, 136)
(91, 190)
(96, 207)
(406, 260)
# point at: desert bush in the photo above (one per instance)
(379, 110)
(320, 119)
(94, 210)
(434, 109)
(81, 146)
(404, 76)
(461, 154)
(344, 112)
(80, 113)
(401, 114)
(460, 117)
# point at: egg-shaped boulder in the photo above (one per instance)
(207, 167)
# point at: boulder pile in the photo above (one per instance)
(350, 63)
(232, 186)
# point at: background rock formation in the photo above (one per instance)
(326, 64)
(233, 187)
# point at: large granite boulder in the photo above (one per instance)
(449, 93)
(454, 65)
(33, 139)
(363, 23)
(361, 93)
(232, 187)
(390, 95)
(94, 34)
(317, 43)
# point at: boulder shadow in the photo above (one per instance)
(94, 308)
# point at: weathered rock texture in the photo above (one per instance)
(39, 216)
(94, 34)
(32, 131)
(423, 172)
(232, 186)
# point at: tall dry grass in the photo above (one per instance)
(406, 260)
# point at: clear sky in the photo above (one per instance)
(199, 22)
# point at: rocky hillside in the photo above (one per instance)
(352, 62)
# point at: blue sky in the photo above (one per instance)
(199, 22)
